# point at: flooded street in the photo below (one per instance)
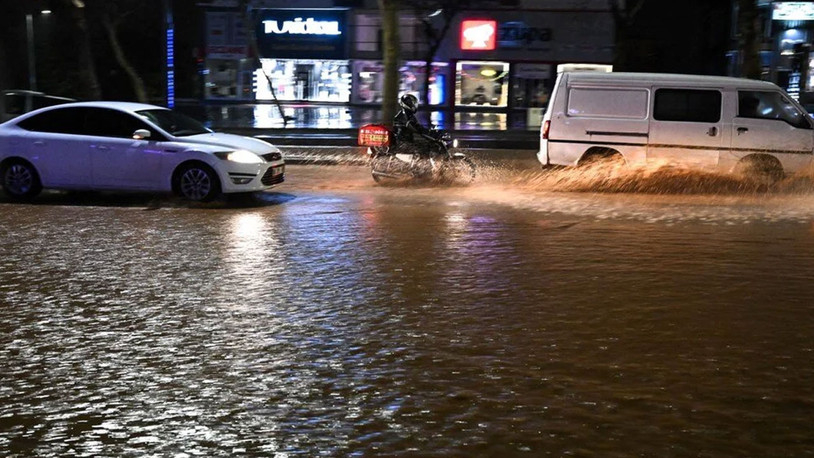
(530, 314)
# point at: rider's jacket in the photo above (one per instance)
(405, 125)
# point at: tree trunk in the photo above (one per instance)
(5, 73)
(749, 39)
(113, 37)
(624, 13)
(87, 69)
(391, 44)
(434, 41)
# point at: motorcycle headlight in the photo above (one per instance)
(241, 156)
(455, 143)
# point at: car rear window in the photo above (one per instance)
(62, 121)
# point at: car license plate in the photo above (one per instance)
(276, 171)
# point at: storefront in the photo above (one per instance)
(227, 72)
(496, 61)
(788, 61)
(793, 27)
(369, 81)
(506, 61)
(303, 55)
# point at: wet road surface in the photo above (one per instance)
(530, 314)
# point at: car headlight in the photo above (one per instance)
(241, 156)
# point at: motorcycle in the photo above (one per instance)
(431, 159)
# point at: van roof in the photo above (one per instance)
(666, 78)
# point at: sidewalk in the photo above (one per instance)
(337, 125)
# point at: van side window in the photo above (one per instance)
(687, 105)
(770, 105)
(608, 103)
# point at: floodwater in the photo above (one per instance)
(529, 314)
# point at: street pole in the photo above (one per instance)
(32, 66)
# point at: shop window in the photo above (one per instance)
(228, 79)
(301, 79)
(370, 80)
(482, 84)
(532, 85)
(221, 79)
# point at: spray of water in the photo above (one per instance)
(609, 177)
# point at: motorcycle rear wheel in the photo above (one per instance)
(388, 169)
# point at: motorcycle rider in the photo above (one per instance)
(407, 127)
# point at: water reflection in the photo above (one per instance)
(314, 117)
(480, 120)
(251, 254)
(357, 320)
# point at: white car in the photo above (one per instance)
(127, 146)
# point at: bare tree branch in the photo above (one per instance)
(113, 38)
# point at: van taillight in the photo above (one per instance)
(546, 126)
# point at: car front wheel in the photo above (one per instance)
(196, 182)
(20, 180)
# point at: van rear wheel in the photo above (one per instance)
(602, 158)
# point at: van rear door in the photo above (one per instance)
(686, 127)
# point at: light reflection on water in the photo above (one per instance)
(478, 321)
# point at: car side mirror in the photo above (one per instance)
(141, 134)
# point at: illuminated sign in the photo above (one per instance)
(313, 33)
(793, 11)
(300, 27)
(518, 34)
(170, 41)
(478, 35)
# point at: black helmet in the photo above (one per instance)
(409, 102)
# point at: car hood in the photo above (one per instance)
(231, 141)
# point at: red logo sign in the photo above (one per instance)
(478, 35)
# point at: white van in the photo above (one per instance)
(720, 123)
(13, 103)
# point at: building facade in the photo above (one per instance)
(785, 32)
(496, 56)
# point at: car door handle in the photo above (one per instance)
(713, 131)
(100, 147)
(742, 130)
(39, 143)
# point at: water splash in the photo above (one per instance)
(651, 179)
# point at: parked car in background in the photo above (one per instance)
(13, 103)
(130, 147)
(719, 123)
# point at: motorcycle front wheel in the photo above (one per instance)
(459, 170)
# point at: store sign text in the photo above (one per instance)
(478, 35)
(309, 26)
(793, 11)
(518, 34)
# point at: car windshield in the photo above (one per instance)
(177, 124)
